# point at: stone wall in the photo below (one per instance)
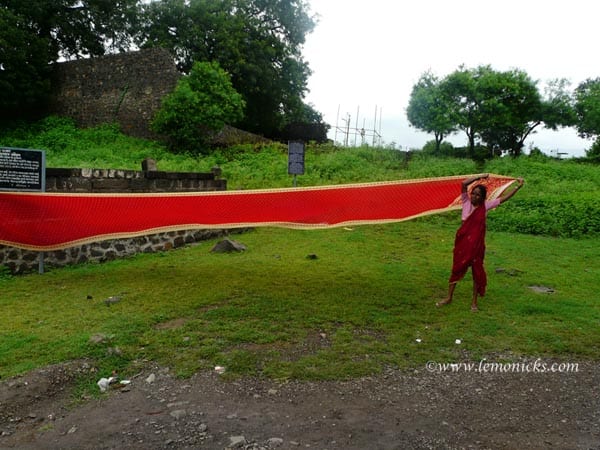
(126, 88)
(19, 261)
(117, 181)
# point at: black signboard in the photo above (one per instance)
(22, 169)
(296, 158)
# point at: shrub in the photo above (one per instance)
(446, 149)
(202, 103)
(594, 150)
(551, 216)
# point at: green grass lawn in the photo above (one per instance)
(359, 306)
(270, 311)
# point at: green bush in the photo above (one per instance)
(594, 151)
(202, 103)
(574, 216)
(446, 149)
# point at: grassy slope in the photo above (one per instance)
(357, 307)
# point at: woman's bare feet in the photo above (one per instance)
(443, 302)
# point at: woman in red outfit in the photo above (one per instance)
(469, 245)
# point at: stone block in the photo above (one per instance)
(139, 185)
(56, 172)
(110, 185)
(149, 165)
(162, 185)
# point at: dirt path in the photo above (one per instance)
(420, 409)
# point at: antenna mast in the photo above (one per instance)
(355, 132)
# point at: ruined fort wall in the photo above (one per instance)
(125, 88)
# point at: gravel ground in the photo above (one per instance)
(426, 408)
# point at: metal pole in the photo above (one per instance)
(356, 126)
(375, 126)
(347, 129)
(43, 189)
(337, 118)
(379, 134)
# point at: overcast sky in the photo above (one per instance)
(367, 55)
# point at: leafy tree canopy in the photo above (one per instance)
(258, 42)
(36, 33)
(430, 110)
(587, 107)
(499, 109)
(76, 28)
(24, 70)
(512, 109)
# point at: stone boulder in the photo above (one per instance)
(228, 246)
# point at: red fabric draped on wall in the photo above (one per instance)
(52, 221)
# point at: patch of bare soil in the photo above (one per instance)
(419, 409)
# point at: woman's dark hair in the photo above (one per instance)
(483, 190)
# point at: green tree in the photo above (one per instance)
(513, 109)
(304, 122)
(466, 101)
(201, 104)
(522, 109)
(36, 33)
(429, 109)
(501, 109)
(558, 105)
(76, 28)
(587, 107)
(24, 69)
(258, 42)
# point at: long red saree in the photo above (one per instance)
(52, 221)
